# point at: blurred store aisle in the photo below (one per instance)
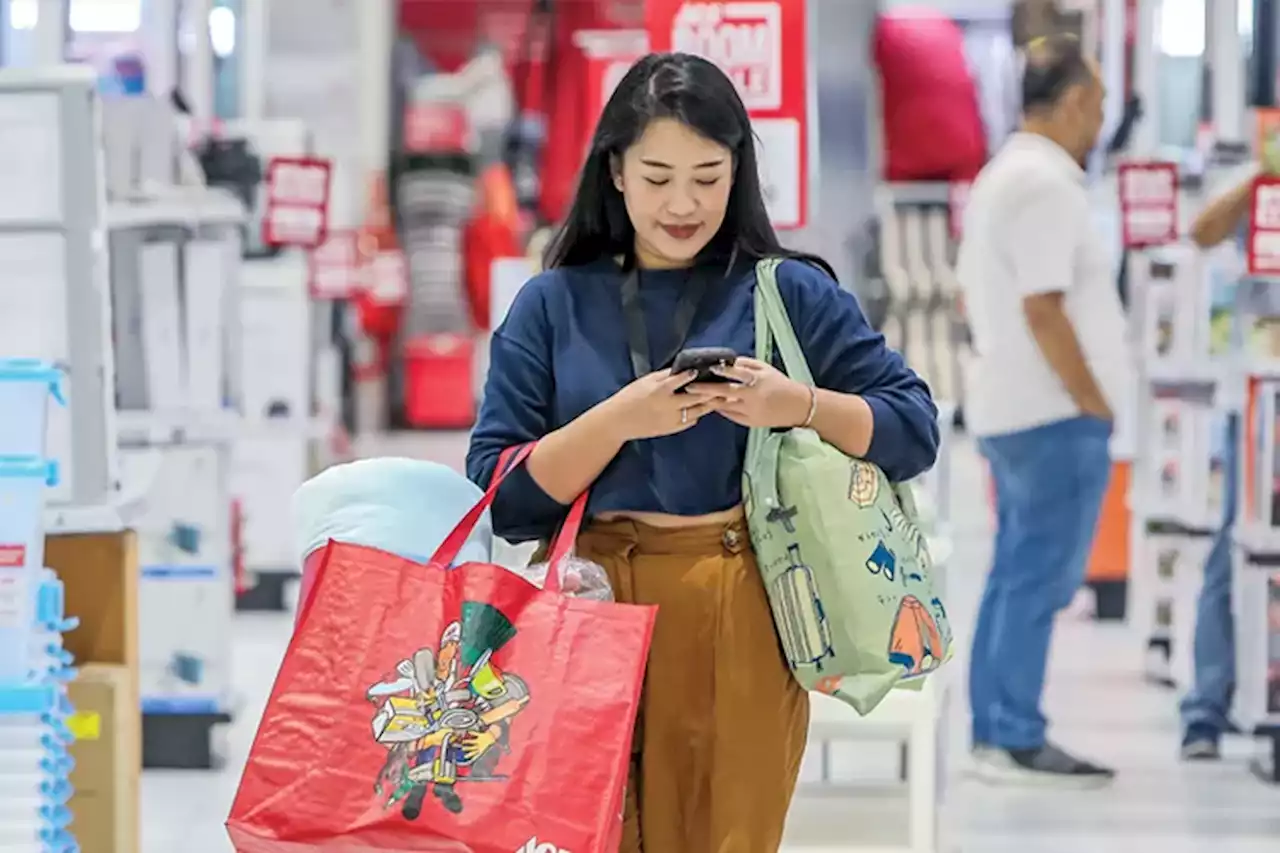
(1096, 698)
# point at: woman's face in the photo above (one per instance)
(676, 186)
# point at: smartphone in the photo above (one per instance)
(702, 359)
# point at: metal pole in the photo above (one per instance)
(198, 61)
(51, 33)
(1262, 88)
(159, 39)
(1146, 74)
(252, 56)
(1224, 59)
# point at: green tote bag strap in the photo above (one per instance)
(773, 326)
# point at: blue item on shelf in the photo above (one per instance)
(26, 384)
(41, 700)
(185, 537)
(51, 605)
(188, 669)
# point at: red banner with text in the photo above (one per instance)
(761, 46)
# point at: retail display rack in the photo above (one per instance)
(1256, 580)
(913, 266)
(36, 720)
(1177, 489)
(1210, 376)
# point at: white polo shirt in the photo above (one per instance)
(1028, 230)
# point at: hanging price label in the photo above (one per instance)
(436, 128)
(297, 209)
(387, 281)
(334, 266)
(1263, 251)
(1148, 204)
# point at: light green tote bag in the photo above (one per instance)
(844, 563)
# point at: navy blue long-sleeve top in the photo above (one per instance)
(563, 348)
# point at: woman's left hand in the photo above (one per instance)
(759, 395)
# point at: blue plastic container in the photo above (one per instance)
(23, 480)
(26, 386)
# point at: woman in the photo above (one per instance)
(670, 192)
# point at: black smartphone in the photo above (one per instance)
(702, 359)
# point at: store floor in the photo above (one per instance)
(1097, 700)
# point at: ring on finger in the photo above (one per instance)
(684, 416)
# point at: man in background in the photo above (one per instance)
(1050, 366)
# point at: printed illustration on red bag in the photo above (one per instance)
(445, 714)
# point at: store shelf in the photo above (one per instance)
(1260, 544)
(1262, 368)
(177, 426)
(75, 520)
(832, 719)
(1179, 373)
(194, 207)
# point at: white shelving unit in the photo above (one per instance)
(1173, 519)
(55, 291)
(1196, 374)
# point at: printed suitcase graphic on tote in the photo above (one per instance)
(860, 615)
(797, 612)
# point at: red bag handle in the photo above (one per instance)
(508, 461)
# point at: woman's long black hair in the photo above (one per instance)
(696, 93)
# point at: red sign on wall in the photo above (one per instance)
(1148, 204)
(761, 46)
(1264, 227)
(297, 209)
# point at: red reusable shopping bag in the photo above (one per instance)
(425, 708)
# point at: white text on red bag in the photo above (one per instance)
(297, 210)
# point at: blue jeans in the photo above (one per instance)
(1049, 483)
(1209, 702)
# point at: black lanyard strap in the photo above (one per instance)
(691, 295)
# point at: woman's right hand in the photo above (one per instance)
(650, 406)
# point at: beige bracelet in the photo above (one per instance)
(813, 407)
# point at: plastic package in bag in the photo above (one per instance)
(578, 578)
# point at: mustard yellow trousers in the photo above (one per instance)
(722, 724)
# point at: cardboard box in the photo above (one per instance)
(108, 756)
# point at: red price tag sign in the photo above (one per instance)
(1264, 227)
(334, 266)
(387, 281)
(1148, 204)
(436, 128)
(297, 211)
